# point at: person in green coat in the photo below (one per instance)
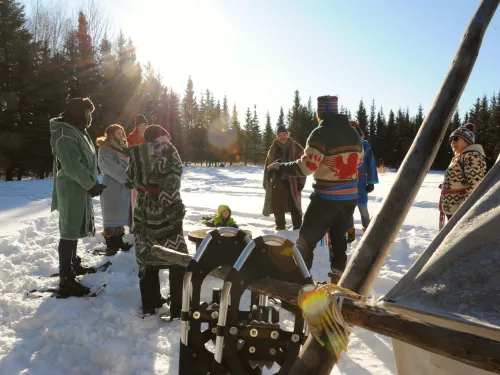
(75, 183)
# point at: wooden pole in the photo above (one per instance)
(375, 245)
(464, 347)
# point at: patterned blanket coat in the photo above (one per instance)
(155, 170)
(464, 173)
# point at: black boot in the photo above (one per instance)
(80, 268)
(125, 246)
(112, 245)
(70, 287)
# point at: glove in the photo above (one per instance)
(97, 189)
(167, 152)
(129, 185)
(153, 190)
(273, 175)
(369, 188)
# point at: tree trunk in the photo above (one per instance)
(375, 245)
(9, 173)
(473, 350)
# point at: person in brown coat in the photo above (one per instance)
(283, 192)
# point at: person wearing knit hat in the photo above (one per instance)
(332, 155)
(327, 104)
(283, 193)
(136, 137)
(155, 170)
(75, 183)
(465, 172)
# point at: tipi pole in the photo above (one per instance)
(373, 249)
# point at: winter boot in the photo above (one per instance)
(80, 268)
(70, 287)
(351, 234)
(112, 245)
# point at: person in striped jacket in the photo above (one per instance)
(332, 155)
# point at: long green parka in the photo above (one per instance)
(75, 172)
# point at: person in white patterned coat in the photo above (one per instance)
(465, 172)
(115, 201)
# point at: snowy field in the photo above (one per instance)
(104, 335)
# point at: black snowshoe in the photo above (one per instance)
(69, 286)
(80, 268)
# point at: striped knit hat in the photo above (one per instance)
(465, 131)
(328, 104)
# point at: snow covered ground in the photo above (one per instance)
(103, 335)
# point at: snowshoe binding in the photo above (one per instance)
(335, 276)
(351, 235)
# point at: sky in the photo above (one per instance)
(260, 51)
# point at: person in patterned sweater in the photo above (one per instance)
(465, 172)
(155, 170)
(332, 155)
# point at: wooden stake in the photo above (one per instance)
(375, 245)
(464, 347)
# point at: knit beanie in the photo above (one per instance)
(466, 132)
(328, 105)
(154, 131)
(140, 119)
(77, 106)
(280, 129)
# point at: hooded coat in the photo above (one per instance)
(75, 172)
(115, 200)
(219, 221)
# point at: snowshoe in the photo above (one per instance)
(56, 292)
(71, 287)
(88, 270)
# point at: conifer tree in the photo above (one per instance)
(294, 116)
(256, 137)
(391, 151)
(17, 58)
(189, 115)
(372, 122)
(281, 118)
(238, 136)
(247, 134)
(362, 117)
(268, 133)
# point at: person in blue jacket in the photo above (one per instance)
(367, 178)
